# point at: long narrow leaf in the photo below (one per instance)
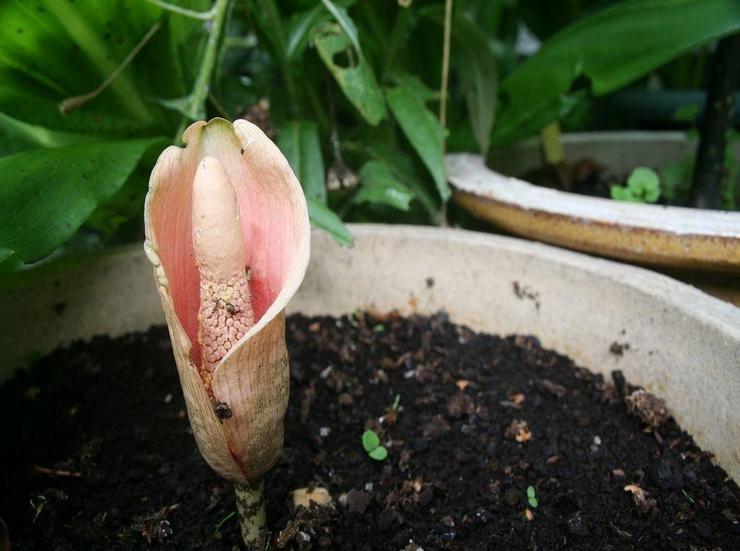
(299, 142)
(424, 132)
(344, 20)
(324, 218)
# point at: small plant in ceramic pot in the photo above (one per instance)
(228, 233)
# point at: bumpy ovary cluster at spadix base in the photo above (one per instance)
(225, 316)
(225, 313)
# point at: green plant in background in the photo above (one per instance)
(349, 89)
(604, 50)
(87, 85)
(532, 497)
(374, 449)
(643, 186)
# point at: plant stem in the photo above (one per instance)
(202, 15)
(445, 68)
(552, 146)
(250, 507)
(710, 157)
(196, 108)
(69, 104)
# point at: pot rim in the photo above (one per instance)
(469, 174)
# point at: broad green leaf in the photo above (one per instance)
(379, 453)
(299, 142)
(610, 48)
(356, 79)
(48, 193)
(54, 50)
(380, 185)
(473, 60)
(370, 440)
(324, 218)
(424, 132)
(17, 135)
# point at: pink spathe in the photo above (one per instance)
(228, 233)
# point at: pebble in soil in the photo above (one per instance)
(97, 454)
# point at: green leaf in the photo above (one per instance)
(17, 135)
(54, 50)
(184, 106)
(379, 453)
(380, 186)
(621, 193)
(345, 21)
(476, 65)
(299, 142)
(324, 218)
(48, 193)
(424, 132)
(645, 184)
(411, 173)
(351, 71)
(370, 440)
(267, 16)
(416, 87)
(687, 113)
(300, 28)
(610, 48)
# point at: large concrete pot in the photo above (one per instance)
(684, 345)
(672, 238)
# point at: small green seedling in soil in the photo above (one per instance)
(396, 402)
(532, 498)
(371, 443)
(223, 521)
(643, 186)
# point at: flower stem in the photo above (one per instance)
(250, 506)
(445, 67)
(196, 107)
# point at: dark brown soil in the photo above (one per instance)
(96, 451)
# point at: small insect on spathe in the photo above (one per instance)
(221, 410)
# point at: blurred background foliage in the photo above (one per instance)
(92, 90)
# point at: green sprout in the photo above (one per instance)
(643, 186)
(532, 498)
(395, 404)
(222, 521)
(371, 443)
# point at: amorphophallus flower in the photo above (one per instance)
(228, 233)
